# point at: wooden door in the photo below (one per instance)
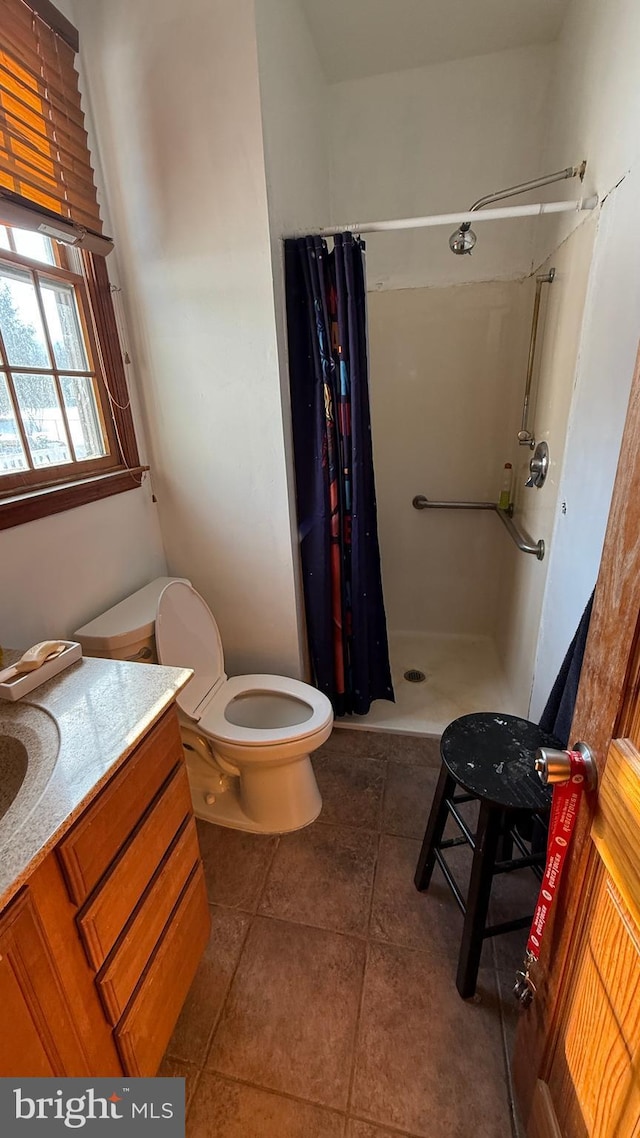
(577, 1056)
(38, 1036)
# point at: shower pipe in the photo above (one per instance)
(525, 543)
(526, 438)
(464, 239)
(458, 218)
(534, 184)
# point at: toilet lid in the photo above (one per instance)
(187, 636)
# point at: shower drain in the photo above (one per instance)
(415, 676)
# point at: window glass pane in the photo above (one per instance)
(4, 238)
(12, 457)
(82, 413)
(42, 419)
(34, 245)
(62, 318)
(20, 320)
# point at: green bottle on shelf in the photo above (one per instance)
(504, 501)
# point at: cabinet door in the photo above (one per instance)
(39, 1036)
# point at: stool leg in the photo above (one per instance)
(484, 857)
(435, 829)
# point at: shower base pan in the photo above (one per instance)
(462, 673)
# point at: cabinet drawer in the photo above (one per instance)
(108, 910)
(89, 848)
(126, 964)
(146, 1027)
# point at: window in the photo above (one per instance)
(52, 397)
(66, 431)
(64, 421)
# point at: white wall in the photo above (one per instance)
(176, 100)
(444, 406)
(58, 572)
(433, 140)
(607, 357)
(593, 100)
(522, 577)
(294, 97)
(596, 99)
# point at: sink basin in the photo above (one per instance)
(14, 763)
(29, 745)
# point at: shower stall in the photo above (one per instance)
(461, 383)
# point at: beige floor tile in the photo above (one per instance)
(235, 864)
(407, 799)
(225, 1109)
(176, 1069)
(427, 1062)
(512, 895)
(351, 789)
(356, 1128)
(415, 750)
(429, 921)
(358, 744)
(289, 1020)
(203, 1004)
(323, 876)
(419, 750)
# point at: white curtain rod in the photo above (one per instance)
(458, 218)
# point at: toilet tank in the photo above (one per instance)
(126, 631)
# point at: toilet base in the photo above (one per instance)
(292, 797)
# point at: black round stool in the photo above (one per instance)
(490, 757)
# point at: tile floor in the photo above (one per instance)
(325, 1004)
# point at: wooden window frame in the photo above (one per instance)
(24, 496)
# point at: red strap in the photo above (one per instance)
(564, 812)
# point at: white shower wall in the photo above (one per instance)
(523, 579)
(447, 372)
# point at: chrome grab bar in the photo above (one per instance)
(525, 543)
(422, 503)
(526, 436)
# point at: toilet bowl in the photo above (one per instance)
(247, 739)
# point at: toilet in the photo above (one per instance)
(247, 739)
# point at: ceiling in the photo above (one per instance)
(355, 38)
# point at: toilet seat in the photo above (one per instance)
(214, 720)
(187, 636)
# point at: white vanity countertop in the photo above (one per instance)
(98, 710)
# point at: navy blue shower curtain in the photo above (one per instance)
(337, 522)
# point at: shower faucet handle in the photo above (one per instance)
(538, 466)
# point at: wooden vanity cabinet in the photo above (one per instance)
(98, 950)
(39, 1035)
